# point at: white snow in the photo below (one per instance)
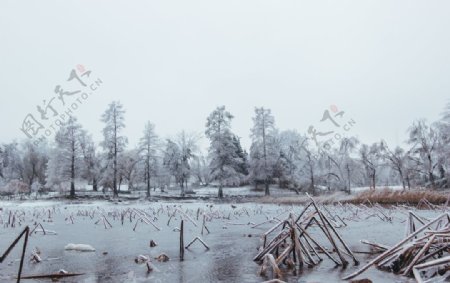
(79, 248)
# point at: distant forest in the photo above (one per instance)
(285, 158)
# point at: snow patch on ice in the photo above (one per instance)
(79, 247)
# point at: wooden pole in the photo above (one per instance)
(182, 241)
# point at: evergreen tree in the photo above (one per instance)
(66, 160)
(148, 149)
(113, 143)
(262, 155)
(223, 153)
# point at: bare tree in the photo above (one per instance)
(34, 162)
(398, 160)
(424, 140)
(310, 165)
(128, 161)
(370, 157)
(346, 164)
(177, 157)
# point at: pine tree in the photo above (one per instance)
(113, 143)
(223, 152)
(148, 148)
(66, 159)
(242, 162)
(172, 162)
(92, 161)
(262, 156)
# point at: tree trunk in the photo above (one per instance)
(94, 184)
(72, 188)
(115, 193)
(148, 170)
(348, 179)
(148, 186)
(72, 172)
(32, 176)
(408, 181)
(400, 172)
(182, 188)
(266, 183)
(431, 176)
(430, 172)
(115, 178)
(373, 179)
(220, 191)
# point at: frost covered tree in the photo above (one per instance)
(370, 157)
(12, 161)
(242, 161)
(34, 162)
(66, 159)
(177, 157)
(397, 160)
(128, 167)
(1, 163)
(26, 162)
(310, 165)
(290, 159)
(262, 153)
(187, 143)
(92, 162)
(341, 164)
(224, 160)
(200, 170)
(148, 147)
(443, 126)
(424, 139)
(113, 142)
(172, 160)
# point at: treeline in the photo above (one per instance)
(286, 158)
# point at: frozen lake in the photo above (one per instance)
(233, 242)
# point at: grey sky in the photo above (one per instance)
(385, 63)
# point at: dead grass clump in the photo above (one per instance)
(412, 197)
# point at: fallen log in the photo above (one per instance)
(52, 276)
(197, 239)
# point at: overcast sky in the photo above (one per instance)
(385, 63)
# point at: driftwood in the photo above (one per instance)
(435, 263)
(375, 245)
(424, 247)
(293, 245)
